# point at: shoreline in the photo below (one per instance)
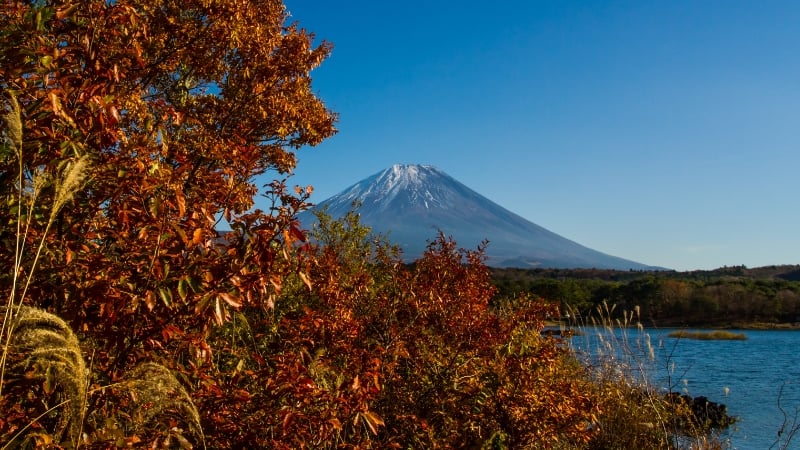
(745, 326)
(748, 326)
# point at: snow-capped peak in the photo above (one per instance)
(417, 182)
(404, 176)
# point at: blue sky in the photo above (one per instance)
(667, 132)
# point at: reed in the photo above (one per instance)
(38, 347)
(42, 368)
(636, 413)
(70, 179)
(716, 335)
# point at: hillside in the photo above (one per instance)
(762, 297)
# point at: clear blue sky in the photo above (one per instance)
(667, 132)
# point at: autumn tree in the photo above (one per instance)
(144, 125)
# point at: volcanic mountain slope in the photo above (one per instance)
(410, 203)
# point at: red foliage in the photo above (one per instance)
(175, 107)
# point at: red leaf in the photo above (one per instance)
(297, 232)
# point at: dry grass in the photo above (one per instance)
(13, 124)
(41, 364)
(636, 414)
(161, 398)
(45, 360)
(38, 347)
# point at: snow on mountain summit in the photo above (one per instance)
(413, 184)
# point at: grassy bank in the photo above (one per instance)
(716, 335)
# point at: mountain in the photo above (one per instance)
(412, 202)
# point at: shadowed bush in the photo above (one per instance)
(150, 405)
(46, 388)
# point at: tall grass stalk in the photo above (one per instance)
(12, 119)
(47, 346)
(40, 347)
(71, 178)
(790, 426)
(13, 138)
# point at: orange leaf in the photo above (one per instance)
(63, 13)
(112, 111)
(181, 201)
(197, 236)
(372, 420)
(297, 233)
(150, 300)
(305, 279)
(230, 300)
(218, 314)
(287, 419)
(55, 103)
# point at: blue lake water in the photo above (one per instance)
(750, 376)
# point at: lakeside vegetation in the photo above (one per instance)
(717, 335)
(729, 297)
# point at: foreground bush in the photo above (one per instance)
(369, 352)
(130, 130)
(359, 351)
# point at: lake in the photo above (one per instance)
(750, 376)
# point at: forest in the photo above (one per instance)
(764, 297)
(131, 132)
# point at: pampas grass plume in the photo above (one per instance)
(48, 350)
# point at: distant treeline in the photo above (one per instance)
(726, 296)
